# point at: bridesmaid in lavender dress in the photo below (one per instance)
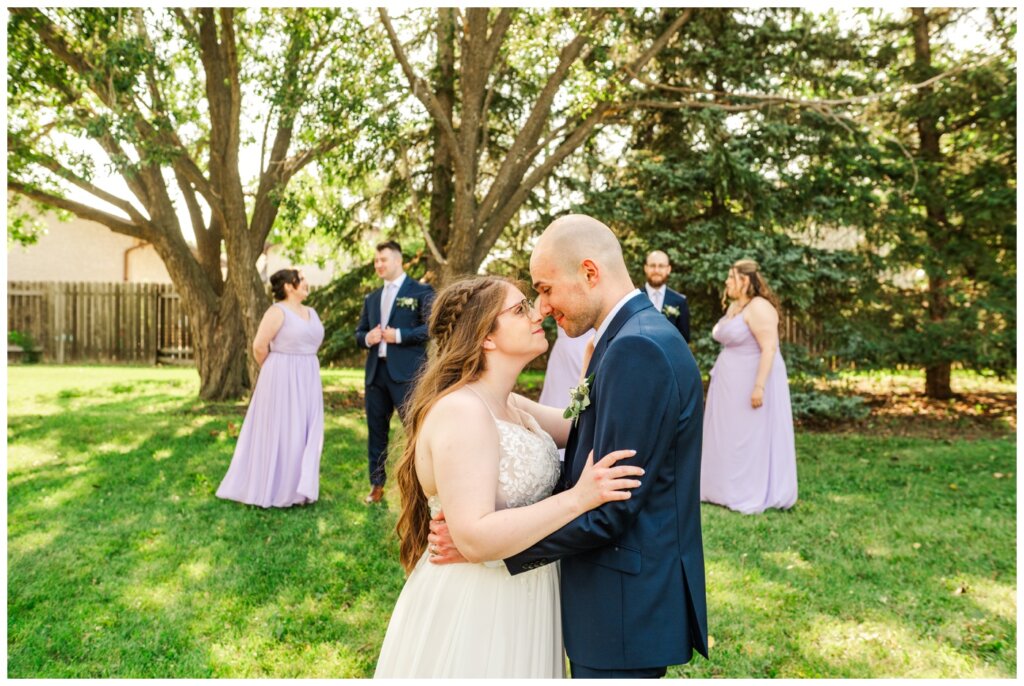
(748, 459)
(565, 367)
(277, 457)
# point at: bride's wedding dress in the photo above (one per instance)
(476, 620)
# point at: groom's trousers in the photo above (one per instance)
(578, 671)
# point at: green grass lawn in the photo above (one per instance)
(898, 560)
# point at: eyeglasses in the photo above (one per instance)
(520, 309)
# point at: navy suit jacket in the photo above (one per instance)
(405, 358)
(677, 300)
(632, 574)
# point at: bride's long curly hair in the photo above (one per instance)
(463, 314)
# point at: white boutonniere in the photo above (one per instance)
(579, 399)
(671, 311)
(407, 303)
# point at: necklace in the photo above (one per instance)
(742, 307)
(489, 401)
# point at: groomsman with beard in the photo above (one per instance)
(667, 301)
(393, 327)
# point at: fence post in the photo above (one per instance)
(58, 306)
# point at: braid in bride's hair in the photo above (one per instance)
(462, 315)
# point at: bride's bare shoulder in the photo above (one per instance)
(461, 405)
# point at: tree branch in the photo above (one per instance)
(496, 36)
(113, 222)
(52, 37)
(414, 197)
(495, 209)
(186, 23)
(195, 212)
(68, 175)
(767, 98)
(515, 165)
(423, 93)
(516, 195)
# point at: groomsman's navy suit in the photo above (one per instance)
(632, 574)
(677, 300)
(387, 379)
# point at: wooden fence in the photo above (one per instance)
(145, 323)
(100, 322)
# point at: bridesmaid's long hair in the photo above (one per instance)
(463, 314)
(757, 285)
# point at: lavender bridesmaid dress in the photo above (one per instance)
(565, 364)
(277, 457)
(748, 459)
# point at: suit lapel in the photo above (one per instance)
(373, 304)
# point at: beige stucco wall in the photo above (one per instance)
(81, 250)
(272, 260)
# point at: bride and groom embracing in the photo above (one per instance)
(621, 517)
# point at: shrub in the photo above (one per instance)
(815, 407)
(23, 339)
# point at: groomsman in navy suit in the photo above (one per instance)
(393, 327)
(667, 301)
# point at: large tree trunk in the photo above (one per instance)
(219, 342)
(442, 188)
(937, 374)
(224, 311)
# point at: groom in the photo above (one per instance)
(632, 575)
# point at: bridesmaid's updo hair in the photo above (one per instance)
(757, 286)
(462, 315)
(281, 277)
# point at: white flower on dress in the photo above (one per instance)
(671, 311)
(579, 399)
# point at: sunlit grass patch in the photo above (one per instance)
(123, 563)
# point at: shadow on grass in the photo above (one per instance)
(122, 562)
(881, 569)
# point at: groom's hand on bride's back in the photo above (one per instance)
(439, 543)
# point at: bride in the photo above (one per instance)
(491, 458)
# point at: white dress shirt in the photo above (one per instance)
(657, 295)
(387, 304)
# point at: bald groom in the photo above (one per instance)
(632, 571)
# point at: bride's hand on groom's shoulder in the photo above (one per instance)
(440, 544)
(602, 482)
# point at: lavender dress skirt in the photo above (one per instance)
(748, 459)
(277, 457)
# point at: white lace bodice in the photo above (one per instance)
(528, 466)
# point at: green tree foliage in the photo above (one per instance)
(826, 185)
(949, 217)
(741, 178)
(203, 114)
